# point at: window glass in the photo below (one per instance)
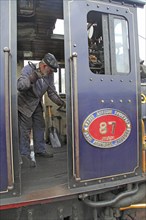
(59, 80)
(121, 45)
(56, 81)
(63, 80)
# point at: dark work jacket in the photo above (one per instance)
(30, 94)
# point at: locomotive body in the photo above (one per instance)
(100, 169)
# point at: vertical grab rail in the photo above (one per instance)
(8, 118)
(76, 118)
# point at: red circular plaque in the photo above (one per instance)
(106, 128)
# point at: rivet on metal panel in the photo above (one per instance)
(130, 80)
(87, 4)
(85, 184)
(117, 9)
(136, 174)
(83, 196)
(112, 100)
(91, 79)
(74, 45)
(129, 101)
(108, 8)
(121, 100)
(113, 178)
(102, 101)
(111, 80)
(60, 214)
(101, 79)
(97, 6)
(125, 176)
(61, 217)
(14, 193)
(121, 80)
(126, 11)
(60, 210)
(30, 214)
(80, 196)
(74, 185)
(99, 181)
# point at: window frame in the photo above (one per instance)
(108, 34)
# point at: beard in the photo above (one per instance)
(45, 72)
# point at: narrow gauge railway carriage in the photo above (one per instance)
(99, 172)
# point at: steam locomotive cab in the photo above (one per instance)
(99, 168)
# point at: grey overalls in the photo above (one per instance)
(30, 110)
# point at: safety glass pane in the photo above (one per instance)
(121, 46)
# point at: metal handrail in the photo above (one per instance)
(76, 117)
(8, 119)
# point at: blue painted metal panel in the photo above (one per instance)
(3, 160)
(8, 40)
(95, 162)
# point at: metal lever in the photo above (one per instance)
(8, 119)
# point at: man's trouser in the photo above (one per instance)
(36, 124)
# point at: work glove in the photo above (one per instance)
(35, 76)
(62, 107)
